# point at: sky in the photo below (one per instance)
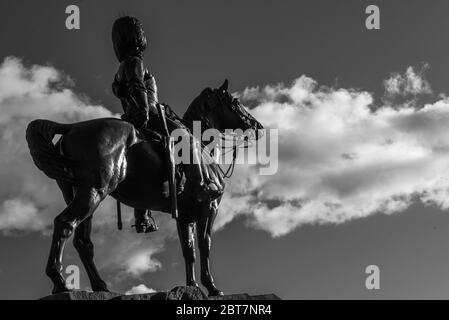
(361, 116)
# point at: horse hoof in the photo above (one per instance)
(100, 289)
(216, 293)
(192, 284)
(60, 289)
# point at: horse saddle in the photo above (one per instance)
(151, 135)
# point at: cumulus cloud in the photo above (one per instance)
(341, 157)
(410, 83)
(29, 201)
(140, 289)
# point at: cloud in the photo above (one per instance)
(29, 201)
(140, 289)
(142, 262)
(342, 157)
(410, 83)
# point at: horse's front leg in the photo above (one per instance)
(187, 238)
(205, 222)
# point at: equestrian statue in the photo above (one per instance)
(127, 159)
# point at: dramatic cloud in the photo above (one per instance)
(29, 201)
(341, 157)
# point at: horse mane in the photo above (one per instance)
(195, 110)
(194, 113)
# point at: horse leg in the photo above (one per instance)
(67, 191)
(205, 222)
(187, 237)
(84, 202)
(83, 244)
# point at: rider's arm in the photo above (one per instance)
(150, 82)
(134, 73)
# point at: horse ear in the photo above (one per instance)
(225, 85)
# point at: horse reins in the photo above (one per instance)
(246, 119)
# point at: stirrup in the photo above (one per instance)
(146, 224)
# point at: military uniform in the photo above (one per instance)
(136, 88)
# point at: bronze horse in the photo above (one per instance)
(104, 156)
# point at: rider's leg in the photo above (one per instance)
(204, 189)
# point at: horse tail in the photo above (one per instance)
(39, 136)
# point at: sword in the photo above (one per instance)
(169, 149)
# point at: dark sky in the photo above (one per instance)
(194, 44)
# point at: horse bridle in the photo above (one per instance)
(245, 117)
(205, 124)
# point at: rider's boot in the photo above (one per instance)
(143, 221)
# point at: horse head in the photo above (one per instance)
(218, 109)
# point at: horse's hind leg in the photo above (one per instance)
(204, 223)
(67, 191)
(83, 243)
(85, 248)
(85, 201)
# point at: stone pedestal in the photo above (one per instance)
(177, 293)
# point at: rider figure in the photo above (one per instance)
(137, 91)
